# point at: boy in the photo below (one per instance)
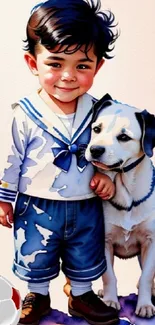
(57, 213)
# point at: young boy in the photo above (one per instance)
(58, 213)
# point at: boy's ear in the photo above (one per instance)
(31, 62)
(99, 65)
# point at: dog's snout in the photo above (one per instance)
(97, 151)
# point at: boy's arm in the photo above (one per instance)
(103, 186)
(6, 214)
(16, 143)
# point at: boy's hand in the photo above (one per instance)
(6, 214)
(103, 186)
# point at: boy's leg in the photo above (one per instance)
(79, 288)
(84, 261)
(41, 288)
(36, 258)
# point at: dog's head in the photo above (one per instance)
(119, 132)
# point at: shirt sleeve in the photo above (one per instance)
(17, 134)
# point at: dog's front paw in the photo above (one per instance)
(145, 311)
(109, 298)
(114, 304)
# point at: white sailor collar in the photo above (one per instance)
(46, 119)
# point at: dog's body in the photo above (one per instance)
(119, 148)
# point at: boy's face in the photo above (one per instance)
(64, 77)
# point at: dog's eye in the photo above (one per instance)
(123, 137)
(97, 129)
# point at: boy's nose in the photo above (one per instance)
(68, 76)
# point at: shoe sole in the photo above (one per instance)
(109, 322)
(37, 322)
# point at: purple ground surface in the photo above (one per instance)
(127, 315)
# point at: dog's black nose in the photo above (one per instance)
(97, 151)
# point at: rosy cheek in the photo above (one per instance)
(49, 78)
(87, 81)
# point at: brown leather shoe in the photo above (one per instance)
(92, 309)
(34, 307)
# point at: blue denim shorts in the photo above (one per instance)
(49, 234)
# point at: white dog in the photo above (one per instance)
(121, 145)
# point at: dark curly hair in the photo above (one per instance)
(73, 24)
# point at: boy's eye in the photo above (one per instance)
(54, 65)
(82, 66)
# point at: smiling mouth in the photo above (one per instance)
(66, 89)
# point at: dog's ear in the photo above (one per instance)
(100, 104)
(147, 124)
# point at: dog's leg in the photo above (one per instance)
(109, 281)
(144, 306)
(153, 282)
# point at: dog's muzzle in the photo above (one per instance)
(96, 151)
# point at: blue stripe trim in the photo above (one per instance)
(88, 278)
(81, 126)
(32, 116)
(7, 191)
(38, 121)
(86, 275)
(7, 198)
(28, 101)
(8, 195)
(61, 135)
(35, 275)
